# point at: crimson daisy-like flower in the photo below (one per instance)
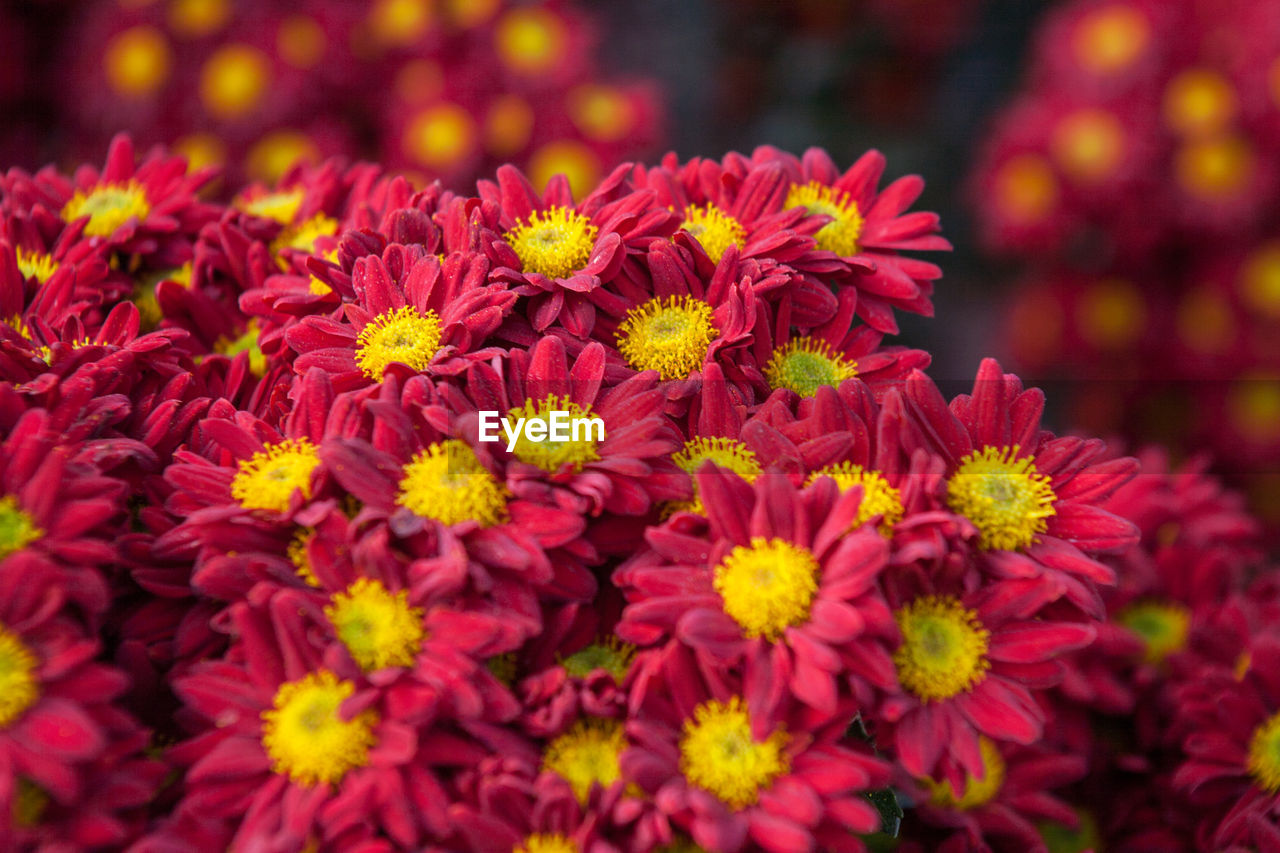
(966, 663)
(62, 739)
(556, 252)
(411, 309)
(866, 228)
(1231, 772)
(148, 208)
(736, 777)
(52, 272)
(780, 579)
(1033, 498)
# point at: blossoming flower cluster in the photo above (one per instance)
(1137, 172)
(265, 589)
(446, 89)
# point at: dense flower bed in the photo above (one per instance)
(266, 589)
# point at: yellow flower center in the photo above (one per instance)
(977, 792)
(269, 479)
(944, 648)
(878, 497)
(504, 667)
(282, 206)
(247, 342)
(714, 229)
(669, 335)
(18, 687)
(108, 206)
(719, 754)
(841, 234)
(301, 559)
(554, 242)
(234, 80)
(440, 137)
(400, 336)
(17, 529)
(551, 455)
(1111, 38)
(586, 755)
(35, 265)
(1004, 495)
(1263, 762)
(1199, 101)
(1026, 190)
(306, 738)
(378, 628)
(530, 39)
(303, 236)
(806, 364)
(1089, 144)
(144, 297)
(1060, 838)
(612, 655)
(199, 17)
(29, 803)
(768, 586)
(137, 61)
(543, 843)
(723, 453)
(1161, 625)
(447, 482)
(1214, 168)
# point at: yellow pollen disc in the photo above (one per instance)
(247, 342)
(108, 206)
(1110, 39)
(544, 843)
(400, 336)
(554, 242)
(944, 648)
(144, 297)
(530, 40)
(841, 234)
(196, 18)
(1112, 313)
(277, 152)
(719, 754)
(714, 229)
(568, 157)
(725, 453)
(447, 482)
(234, 80)
(1089, 144)
(297, 553)
(767, 586)
(306, 738)
(1026, 189)
(399, 23)
(269, 479)
(378, 628)
(977, 792)
(320, 288)
(17, 529)
(29, 803)
(35, 265)
(508, 125)
(551, 455)
(1161, 625)
(282, 205)
(1264, 755)
(587, 755)
(806, 364)
(611, 655)
(301, 41)
(18, 687)
(137, 62)
(471, 13)
(1259, 279)
(440, 137)
(600, 112)
(1253, 406)
(878, 497)
(1242, 665)
(1004, 495)
(504, 667)
(201, 149)
(303, 236)
(1214, 168)
(1199, 101)
(669, 335)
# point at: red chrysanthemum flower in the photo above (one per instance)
(781, 578)
(411, 309)
(733, 776)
